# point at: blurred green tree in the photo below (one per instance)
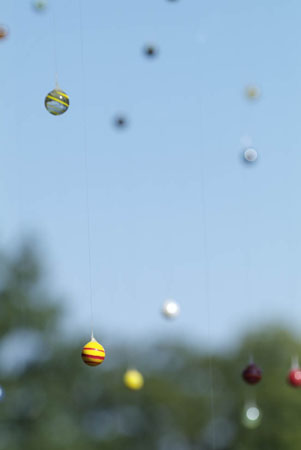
(190, 401)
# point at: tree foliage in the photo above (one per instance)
(191, 400)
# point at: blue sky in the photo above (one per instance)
(149, 184)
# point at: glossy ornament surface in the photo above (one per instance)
(133, 379)
(57, 102)
(252, 374)
(294, 377)
(93, 353)
(250, 155)
(170, 309)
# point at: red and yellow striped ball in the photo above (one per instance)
(93, 353)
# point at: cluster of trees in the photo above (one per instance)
(191, 400)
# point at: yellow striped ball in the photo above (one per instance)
(93, 353)
(57, 102)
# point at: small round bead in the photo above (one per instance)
(170, 309)
(93, 353)
(120, 121)
(252, 92)
(133, 380)
(150, 51)
(250, 155)
(252, 374)
(294, 377)
(57, 102)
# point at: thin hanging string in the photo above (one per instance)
(54, 45)
(86, 163)
(207, 289)
(246, 223)
(17, 135)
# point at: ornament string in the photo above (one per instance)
(86, 165)
(207, 289)
(54, 45)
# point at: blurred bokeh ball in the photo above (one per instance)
(3, 31)
(57, 102)
(120, 121)
(40, 5)
(251, 416)
(250, 155)
(133, 380)
(252, 92)
(170, 309)
(294, 377)
(2, 393)
(150, 51)
(252, 374)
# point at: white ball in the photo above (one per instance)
(250, 155)
(170, 309)
(251, 416)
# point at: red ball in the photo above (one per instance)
(252, 374)
(294, 377)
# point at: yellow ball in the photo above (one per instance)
(133, 380)
(93, 353)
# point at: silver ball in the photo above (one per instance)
(250, 155)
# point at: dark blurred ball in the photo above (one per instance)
(252, 374)
(150, 51)
(120, 122)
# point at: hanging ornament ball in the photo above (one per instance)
(40, 5)
(250, 155)
(294, 377)
(93, 353)
(120, 122)
(251, 416)
(170, 309)
(150, 51)
(252, 92)
(133, 380)
(57, 102)
(3, 31)
(252, 374)
(2, 393)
